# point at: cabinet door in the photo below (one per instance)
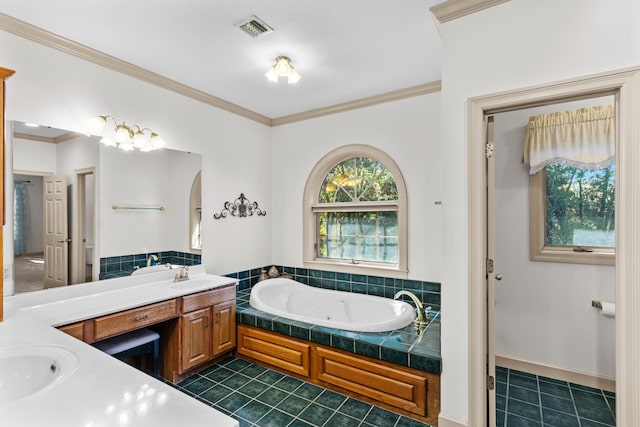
(196, 338)
(224, 327)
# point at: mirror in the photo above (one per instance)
(121, 207)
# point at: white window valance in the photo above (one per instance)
(583, 138)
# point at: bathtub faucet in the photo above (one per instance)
(421, 317)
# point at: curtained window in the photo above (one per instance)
(571, 160)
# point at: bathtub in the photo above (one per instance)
(334, 309)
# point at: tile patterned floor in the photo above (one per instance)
(527, 400)
(261, 397)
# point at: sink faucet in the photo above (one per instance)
(182, 275)
(151, 257)
(421, 316)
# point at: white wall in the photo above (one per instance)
(62, 91)
(543, 309)
(407, 130)
(76, 153)
(515, 44)
(34, 156)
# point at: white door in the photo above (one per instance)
(56, 233)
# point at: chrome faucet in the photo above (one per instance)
(182, 275)
(151, 257)
(421, 314)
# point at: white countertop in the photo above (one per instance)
(102, 391)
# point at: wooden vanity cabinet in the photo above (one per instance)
(206, 328)
(196, 338)
(224, 327)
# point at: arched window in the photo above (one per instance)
(355, 213)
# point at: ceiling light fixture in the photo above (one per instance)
(283, 68)
(125, 137)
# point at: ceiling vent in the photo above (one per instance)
(255, 27)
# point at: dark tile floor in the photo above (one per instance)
(527, 400)
(260, 397)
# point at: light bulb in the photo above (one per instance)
(123, 135)
(157, 142)
(272, 75)
(283, 67)
(293, 77)
(96, 124)
(139, 140)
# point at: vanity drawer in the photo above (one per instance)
(136, 318)
(76, 330)
(207, 298)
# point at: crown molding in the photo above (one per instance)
(396, 95)
(36, 138)
(46, 38)
(454, 9)
(58, 139)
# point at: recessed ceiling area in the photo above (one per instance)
(345, 50)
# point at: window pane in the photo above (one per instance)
(362, 236)
(358, 179)
(580, 206)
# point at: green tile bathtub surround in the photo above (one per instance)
(367, 349)
(408, 347)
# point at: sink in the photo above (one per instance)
(151, 269)
(191, 284)
(27, 370)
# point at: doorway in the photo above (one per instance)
(627, 325)
(554, 353)
(84, 265)
(28, 234)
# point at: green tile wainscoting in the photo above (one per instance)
(427, 292)
(123, 265)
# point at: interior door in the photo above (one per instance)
(491, 274)
(56, 233)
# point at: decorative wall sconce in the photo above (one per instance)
(126, 137)
(241, 207)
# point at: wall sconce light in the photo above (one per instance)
(126, 137)
(283, 68)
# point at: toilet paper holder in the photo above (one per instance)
(607, 309)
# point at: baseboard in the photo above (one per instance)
(575, 377)
(449, 422)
